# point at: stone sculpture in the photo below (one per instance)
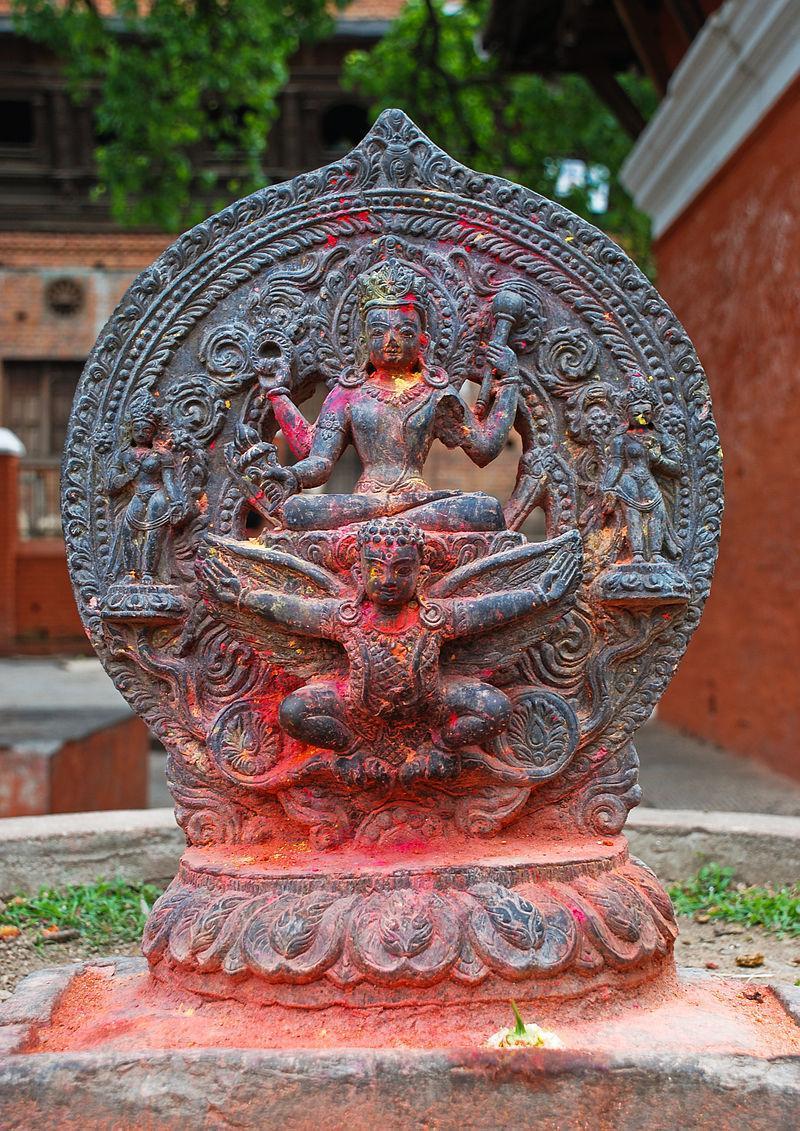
(399, 732)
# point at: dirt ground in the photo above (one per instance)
(20, 956)
(719, 942)
(699, 944)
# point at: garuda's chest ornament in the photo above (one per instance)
(362, 674)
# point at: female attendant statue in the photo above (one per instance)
(156, 504)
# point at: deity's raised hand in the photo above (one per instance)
(503, 360)
(278, 484)
(559, 575)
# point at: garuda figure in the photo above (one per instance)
(391, 710)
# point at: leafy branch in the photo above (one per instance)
(517, 126)
(183, 93)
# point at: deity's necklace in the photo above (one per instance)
(396, 399)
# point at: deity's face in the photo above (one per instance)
(390, 574)
(640, 411)
(395, 338)
(143, 430)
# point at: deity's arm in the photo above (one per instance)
(614, 466)
(123, 470)
(668, 460)
(298, 432)
(171, 485)
(484, 440)
(308, 616)
(330, 440)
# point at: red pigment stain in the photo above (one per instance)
(124, 1013)
(602, 753)
(331, 241)
(578, 915)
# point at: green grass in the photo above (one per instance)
(105, 912)
(712, 892)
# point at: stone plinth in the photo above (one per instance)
(378, 928)
(69, 760)
(106, 1045)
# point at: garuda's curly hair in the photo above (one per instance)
(390, 532)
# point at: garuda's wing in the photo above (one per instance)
(496, 648)
(263, 568)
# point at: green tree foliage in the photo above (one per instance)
(517, 126)
(184, 92)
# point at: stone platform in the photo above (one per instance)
(103, 1045)
(68, 740)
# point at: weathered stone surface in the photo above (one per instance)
(397, 1091)
(147, 845)
(355, 688)
(77, 848)
(704, 1056)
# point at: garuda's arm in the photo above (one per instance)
(269, 599)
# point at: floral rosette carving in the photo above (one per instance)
(244, 745)
(542, 735)
(407, 936)
(566, 355)
(226, 353)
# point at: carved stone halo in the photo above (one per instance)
(264, 296)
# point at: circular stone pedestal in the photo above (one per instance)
(364, 931)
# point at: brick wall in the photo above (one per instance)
(728, 267)
(46, 615)
(8, 547)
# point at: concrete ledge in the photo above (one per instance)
(704, 1067)
(76, 848)
(145, 844)
(396, 1091)
(761, 849)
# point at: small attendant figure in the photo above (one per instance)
(629, 480)
(156, 504)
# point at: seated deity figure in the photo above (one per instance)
(391, 408)
(392, 636)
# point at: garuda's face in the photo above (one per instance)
(390, 574)
(395, 338)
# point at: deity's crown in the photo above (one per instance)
(391, 283)
(640, 390)
(143, 408)
(388, 533)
